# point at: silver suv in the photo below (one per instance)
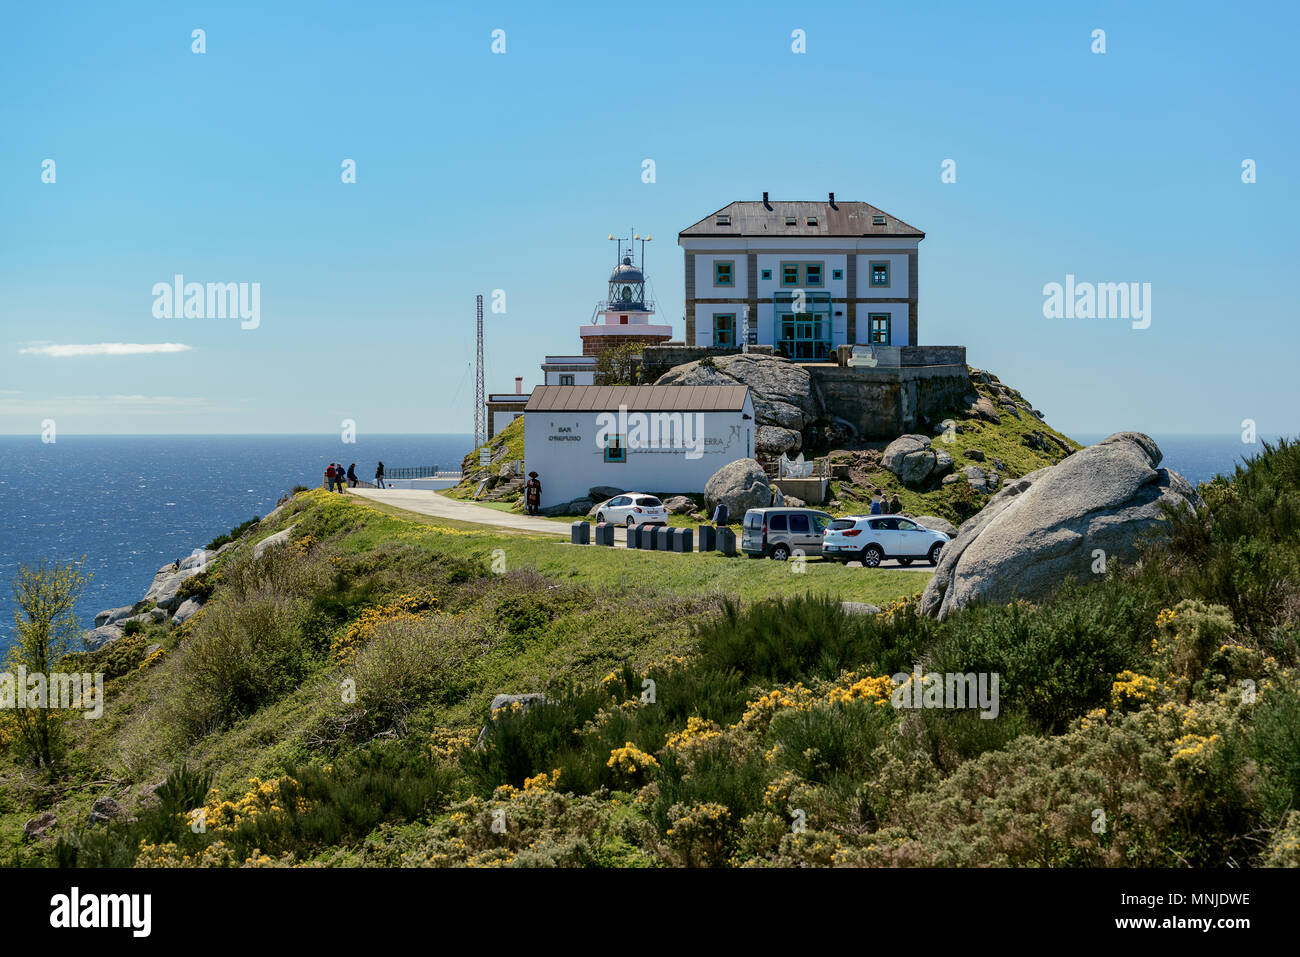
(779, 532)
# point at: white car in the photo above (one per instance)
(871, 539)
(633, 508)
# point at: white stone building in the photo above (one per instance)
(802, 277)
(659, 439)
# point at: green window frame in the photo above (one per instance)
(789, 274)
(837, 274)
(878, 328)
(767, 274)
(724, 329)
(724, 272)
(812, 273)
(616, 449)
(879, 274)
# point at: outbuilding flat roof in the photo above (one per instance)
(642, 398)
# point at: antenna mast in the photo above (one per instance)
(480, 400)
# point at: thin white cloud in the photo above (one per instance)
(55, 351)
(55, 406)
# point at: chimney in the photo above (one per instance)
(833, 206)
(519, 385)
(766, 204)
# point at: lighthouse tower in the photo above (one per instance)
(626, 316)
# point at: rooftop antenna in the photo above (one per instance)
(480, 400)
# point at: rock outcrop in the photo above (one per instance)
(279, 538)
(936, 524)
(186, 610)
(1047, 526)
(786, 402)
(679, 505)
(916, 464)
(741, 485)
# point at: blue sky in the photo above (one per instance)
(478, 171)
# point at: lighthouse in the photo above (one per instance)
(626, 316)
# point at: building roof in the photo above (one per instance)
(842, 219)
(637, 398)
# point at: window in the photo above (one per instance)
(812, 220)
(812, 274)
(878, 328)
(880, 274)
(620, 501)
(724, 328)
(789, 274)
(649, 501)
(723, 272)
(799, 523)
(767, 274)
(616, 449)
(776, 523)
(837, 274)
(905, 526)
(791, 221)
(566, 379)
(723, 219)
(877, 220)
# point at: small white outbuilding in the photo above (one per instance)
(661, 438)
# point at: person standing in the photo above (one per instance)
(895, 506)
(379, 476)
(721, 514)
(533, 493)
(352, 475)
(329, 477)
(876, 507)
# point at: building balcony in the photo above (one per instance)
(614, 329)
(620, 305)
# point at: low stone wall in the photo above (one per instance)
(910, 356)
(884, 403)
(810, 490)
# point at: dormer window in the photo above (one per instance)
(724, 219)
(791, 221)
(812, 220)
(877, 220)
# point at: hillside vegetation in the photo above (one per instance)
(1151, 718)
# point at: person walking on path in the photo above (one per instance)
(533, 493)
(379, 476)
(721, 514)
(352, 475)
(329, 478)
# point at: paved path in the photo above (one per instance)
(440, 506)
(430, 503)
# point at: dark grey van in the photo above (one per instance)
(778, 532)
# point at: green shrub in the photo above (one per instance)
(242, 655)
(791, 639)
(233, 534)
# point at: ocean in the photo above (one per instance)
(128, 504)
